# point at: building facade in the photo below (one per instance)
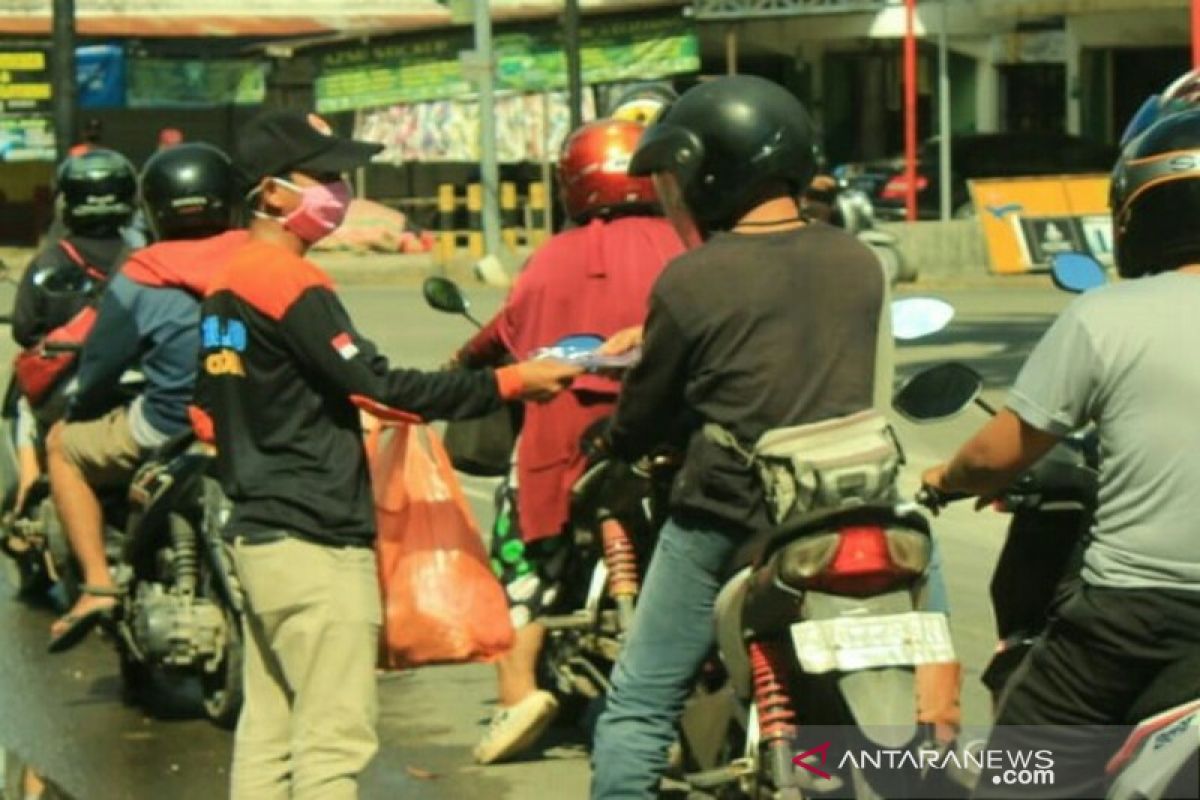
(1079, 66)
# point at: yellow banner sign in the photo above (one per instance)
(1026, 221)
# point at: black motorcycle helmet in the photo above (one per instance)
(728, 144)
(97, 189)
(1156, 198)
(189, 191)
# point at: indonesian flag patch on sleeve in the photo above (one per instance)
(345, 346)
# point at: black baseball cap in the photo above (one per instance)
(277, 142)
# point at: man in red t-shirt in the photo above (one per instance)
(595, 279)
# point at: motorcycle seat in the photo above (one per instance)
(1176, 684)
(762, 545)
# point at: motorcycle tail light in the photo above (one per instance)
(806, 558)
(872, 559)
(897, 187)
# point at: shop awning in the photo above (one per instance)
(1046, 8)
(271, 18)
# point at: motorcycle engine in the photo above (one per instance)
(174, 630)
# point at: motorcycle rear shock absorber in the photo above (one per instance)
(187, 561)
(776, 714)
(621, 560)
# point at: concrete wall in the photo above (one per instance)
(953, 250)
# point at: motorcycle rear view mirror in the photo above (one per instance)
(938, 392)
(443, 294)
(1077, 272)
(580, 349)
(917, 317)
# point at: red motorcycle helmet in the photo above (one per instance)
(593, 171)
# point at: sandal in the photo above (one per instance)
(80, 625)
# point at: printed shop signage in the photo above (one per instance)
(24, 82)
(26, 138)
(176, 83)
(1027, 221)
(429, 68)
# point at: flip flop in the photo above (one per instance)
(80, 625)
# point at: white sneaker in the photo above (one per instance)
(517, 727)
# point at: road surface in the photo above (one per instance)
(64, 713)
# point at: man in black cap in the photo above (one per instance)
(284, 376)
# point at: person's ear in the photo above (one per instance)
(274, 197)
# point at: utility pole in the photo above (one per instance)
(944, 112)
(489, 168)
(910, 111)
(62, 77)
(1196, 33)
(575, 62)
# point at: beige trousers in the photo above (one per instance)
(311, 629)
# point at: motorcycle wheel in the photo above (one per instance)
(222, 688)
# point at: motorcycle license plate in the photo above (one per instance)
(847, 644)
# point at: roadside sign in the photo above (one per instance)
(24, 82)
(1027, 221)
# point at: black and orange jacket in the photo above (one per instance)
(283, 374)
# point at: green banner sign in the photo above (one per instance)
(429, 68)
(173, 83)
(26, 138)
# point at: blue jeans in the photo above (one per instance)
(672, 633)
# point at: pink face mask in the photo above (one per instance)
(322, 209)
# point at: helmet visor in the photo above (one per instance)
(1145, 116)
(676, 210)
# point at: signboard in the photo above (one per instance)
(100, 76)
(24, 82)
(26, 139)
(1026, 221)
(176, 83)
(529, 127)
(428, 68)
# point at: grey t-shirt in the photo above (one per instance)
(1127, 357)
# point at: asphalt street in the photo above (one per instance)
(65, 715)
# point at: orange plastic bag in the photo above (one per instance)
(442, 604)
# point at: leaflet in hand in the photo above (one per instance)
(590, 360)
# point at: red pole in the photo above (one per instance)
(910, 109)
(1196, 33)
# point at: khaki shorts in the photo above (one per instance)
(104, 449)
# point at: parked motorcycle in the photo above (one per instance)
(1053, 506)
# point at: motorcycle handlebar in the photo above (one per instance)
(935, 499)
(57, 348)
